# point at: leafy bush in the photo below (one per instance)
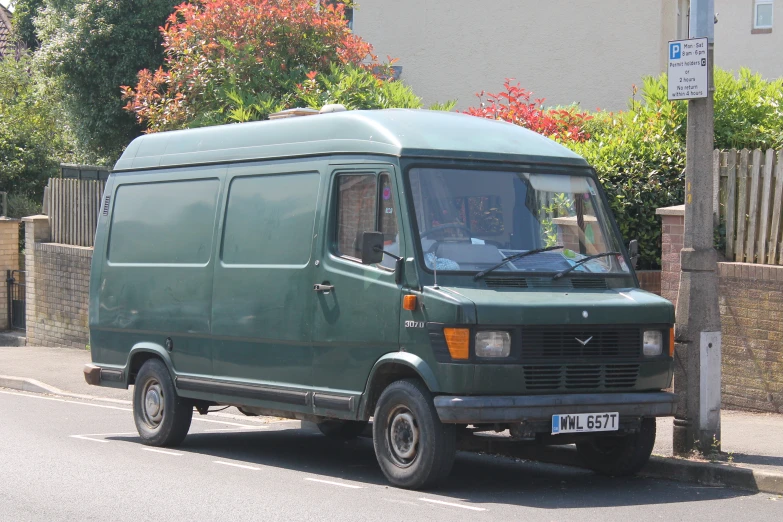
(514, 105)
(748, 109)
(237, 60)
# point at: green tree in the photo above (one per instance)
(90, 48)
(25, 12)
(33, 137)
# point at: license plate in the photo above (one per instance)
(585, 422)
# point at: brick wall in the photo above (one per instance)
(673, 223)
(58, 279)
(751, 308)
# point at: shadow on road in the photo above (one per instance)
(476, 479)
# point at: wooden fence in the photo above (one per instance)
(747, 201)
(72, 206)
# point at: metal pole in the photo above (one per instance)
(697, 373)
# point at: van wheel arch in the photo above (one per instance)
(138, 359)
(383, 377)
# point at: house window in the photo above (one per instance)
(762, 14)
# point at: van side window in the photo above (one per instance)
(258, 207)
(356, 199)
(168, 222)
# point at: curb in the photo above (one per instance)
(31, 385)
(668, 468)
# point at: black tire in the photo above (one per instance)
(168, 424)
(341, 429)
(619, 456)
(404, 405)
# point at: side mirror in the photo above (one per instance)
(633, 252)
(372, 248)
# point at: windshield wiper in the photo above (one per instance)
(583, 261)
(508, 259)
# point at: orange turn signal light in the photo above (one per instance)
(458, 341)
(671, 342)
(409, 302)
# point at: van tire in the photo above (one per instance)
(162, 417)
(342, 429)
(423, 452)
(620, 456)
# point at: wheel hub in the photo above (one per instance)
(153, 404)
(403, 436)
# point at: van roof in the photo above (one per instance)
(393, 132)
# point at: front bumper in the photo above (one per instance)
(518, 408)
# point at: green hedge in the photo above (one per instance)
(639, 153)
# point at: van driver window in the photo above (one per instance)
(366, 204)
(356, 212)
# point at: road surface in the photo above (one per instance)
(80, 460)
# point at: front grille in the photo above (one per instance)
(507, 282)
(546, 282)
(580, 377)
(596, 342)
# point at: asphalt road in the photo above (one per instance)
(63, 459)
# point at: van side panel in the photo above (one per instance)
(156, 278)
(263, 278)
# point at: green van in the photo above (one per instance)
(438, 273)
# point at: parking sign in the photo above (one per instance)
(688, 73)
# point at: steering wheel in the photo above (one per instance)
(444, 227)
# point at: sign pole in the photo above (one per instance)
(697, 356)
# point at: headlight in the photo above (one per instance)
(493, 344)
(653, 343)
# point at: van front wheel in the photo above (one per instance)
(162, 417)
(414, 449)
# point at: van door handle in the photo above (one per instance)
(323, 288)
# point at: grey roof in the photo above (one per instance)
(7, 46)
(393, 132)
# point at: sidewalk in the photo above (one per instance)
(754, 441)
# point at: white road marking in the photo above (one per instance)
(236, 465)
(173, 453)
(452, 504)
(351, 486)
(87, 436)
(243, 428)
(31, 396)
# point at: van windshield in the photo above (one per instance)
(470, 220)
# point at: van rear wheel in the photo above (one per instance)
(620, 456)
(162, 417)
(414, 449)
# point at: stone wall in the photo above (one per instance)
(58, 280)
(751, 308)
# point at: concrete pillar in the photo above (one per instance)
(697, 355)
(36, 230)
(9, 260)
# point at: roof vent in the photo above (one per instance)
(292, 113)
(333, 107)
